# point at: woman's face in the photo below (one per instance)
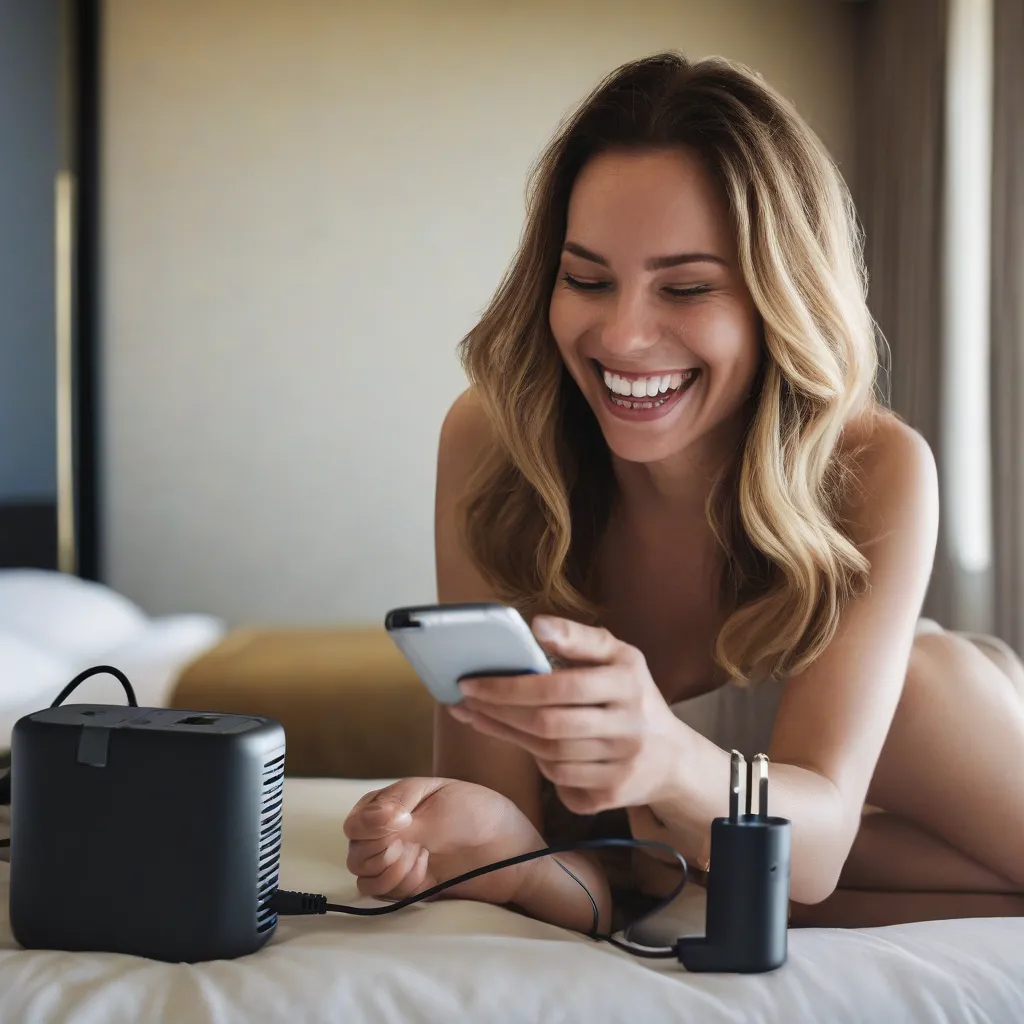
(650, 311)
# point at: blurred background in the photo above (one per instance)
(240, 240)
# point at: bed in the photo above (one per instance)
(463, 961)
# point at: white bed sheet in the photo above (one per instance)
(464, 961)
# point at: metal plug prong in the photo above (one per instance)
(737, 785)
(759, 786)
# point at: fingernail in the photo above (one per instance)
(389, 814)
(459, 714)
(469, 687)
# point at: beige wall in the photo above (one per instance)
(307, 203)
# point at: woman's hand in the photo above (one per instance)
(418, 832)
(600, 730)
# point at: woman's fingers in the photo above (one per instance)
(576, 642)
(548, 723)
(416, 878)
(365, 799)
(600, 684)
(398, 879)
(376, 821)
(588, 748)
(370, 857)
(388, 810)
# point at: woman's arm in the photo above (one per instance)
(460, 752)
(833, 718)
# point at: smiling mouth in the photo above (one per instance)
(645, 391)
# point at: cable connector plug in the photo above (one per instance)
(290, 904)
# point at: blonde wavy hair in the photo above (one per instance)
(541, 500)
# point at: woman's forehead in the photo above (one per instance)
(649, 203)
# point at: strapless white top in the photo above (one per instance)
(734, 717)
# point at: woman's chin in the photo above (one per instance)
(645, 450)
(643, 437)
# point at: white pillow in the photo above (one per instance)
(29, 676)
(172, 639)
(70, 617)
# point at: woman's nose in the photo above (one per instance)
(631, 327)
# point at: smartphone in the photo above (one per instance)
(448, 642)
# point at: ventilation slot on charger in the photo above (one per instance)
(271, 814)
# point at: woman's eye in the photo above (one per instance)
(598, 286)
(687, 293)
(583, 286)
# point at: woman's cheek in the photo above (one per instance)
(727, 341)
(560, 317)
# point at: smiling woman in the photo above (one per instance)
(684, 220)
(684, 318)
(672, 458)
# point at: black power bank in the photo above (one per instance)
(146, 831)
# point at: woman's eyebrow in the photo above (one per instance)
(654, 263)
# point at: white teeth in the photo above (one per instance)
(645, 387)
(617, 385)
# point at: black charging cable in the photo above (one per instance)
(285, 902)
(96, 670)
(747, 908)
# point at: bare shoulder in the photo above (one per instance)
(466, 437)
(894, 480)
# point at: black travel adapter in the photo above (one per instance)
(747, 914)
(148, 831)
